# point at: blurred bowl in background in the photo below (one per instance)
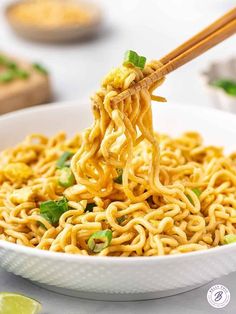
(221, 70)
(54, 24)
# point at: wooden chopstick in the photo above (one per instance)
(197, 45)
(221, 22)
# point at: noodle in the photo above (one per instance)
(158, 195)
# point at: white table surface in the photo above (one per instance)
(152, 28)
(192, 302)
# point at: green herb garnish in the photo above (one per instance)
(230, 238)
(11, 65)
(229, 86)
(119, 179)
(52, 210)
(6, 76)
(100, 240)
(12, 71)
(22, 74)
(40, 68)
(3, 60)
(141, 62)
(89, 207)
(61, 163)
(8, 63)
(197, 192)
(66, 178)
(132, 58)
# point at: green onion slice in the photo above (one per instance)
(141, 62)
(6, 76)
(100, 240)
(3, 60)
(230, 238)
(40, 68)
(11, 74)
(7, 63)
(66, 178)
(11, 65)
(63, 159)
(52, 210)
(229, 86)
(132, 58)
(22, 74)
(197, 192)
(89, 207)
(119, 179)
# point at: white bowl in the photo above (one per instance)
(221, 70)
(118, 278)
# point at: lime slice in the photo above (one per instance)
(12, 303)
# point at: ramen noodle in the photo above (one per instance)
(118, 188)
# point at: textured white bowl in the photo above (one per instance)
(118, 278)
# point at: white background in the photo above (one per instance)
(152, 28)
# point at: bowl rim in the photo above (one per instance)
(70, 105)
(66, 104)
(34, 252)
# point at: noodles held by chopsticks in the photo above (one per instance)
(132, 192)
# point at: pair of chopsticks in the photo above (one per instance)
(209, 37)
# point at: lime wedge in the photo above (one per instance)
(12, 303)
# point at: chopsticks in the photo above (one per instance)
(209, 37)
(221, 22)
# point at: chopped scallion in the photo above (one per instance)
(119, 178)
(12, 65)
(229, 86)
(40, 68)
(141, 62)
(52, 210)
(66, 178)
(132, 58)
(11, 74)
(230, 238)
(6, 77)
(197, 192)
(3, 60)
(100, 240)
(89, 207)
(22, 74)
(7, 62)
(63, 159)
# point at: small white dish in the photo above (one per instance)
(221, 70)
(58, 34)
(118, 278)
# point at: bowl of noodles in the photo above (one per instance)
(122, 204)
(54, 21)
